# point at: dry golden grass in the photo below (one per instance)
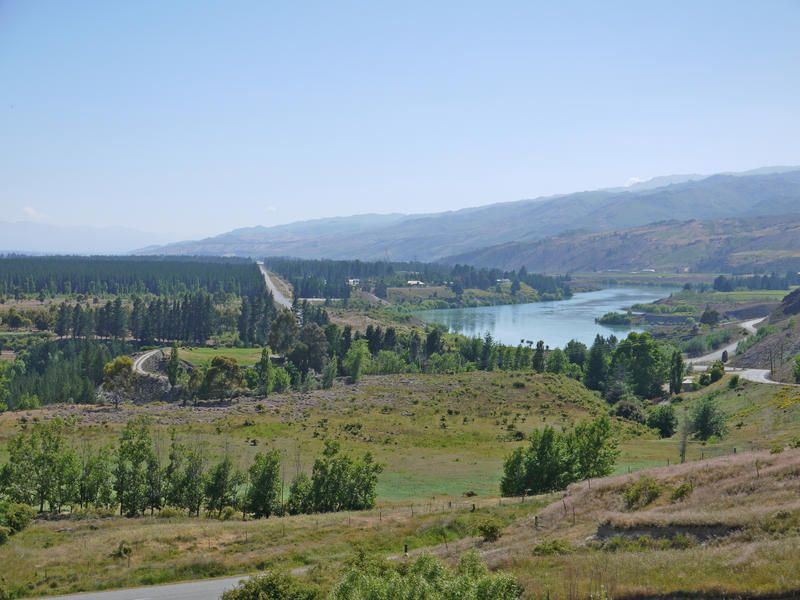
(755, 511)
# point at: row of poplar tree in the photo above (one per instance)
(45, 471)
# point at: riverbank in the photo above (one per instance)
(555, 322)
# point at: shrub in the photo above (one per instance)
(716, 371)
(706, 419)
(734, 382)
(169, 513)
(123, 550)
(426, 578)
(272, 586)
(227, 513)
(552, 547)
(5, 533)
(490, 530)
(16, 516)
(630, 409)
(681, 492)
(662, 418)
(776, 450)
(641, 493)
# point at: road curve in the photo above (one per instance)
(748, 326)
(208, 589)
(139, 361)
(279, 298)
(701, 363)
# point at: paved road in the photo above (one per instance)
(139, 361)
(279, 298)
(209, 589)
(748, 326)
(702, 363)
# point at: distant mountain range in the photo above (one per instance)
(31, 237)
(493, 234)
(721, 245)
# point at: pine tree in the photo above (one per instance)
(538, 357)
(597, 366)
(173, 366)
(676, 371)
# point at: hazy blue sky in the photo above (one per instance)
(196, 117)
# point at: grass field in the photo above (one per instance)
(201, 357)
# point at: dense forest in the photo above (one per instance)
(57, 371)
(98, 275)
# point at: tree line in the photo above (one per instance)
(772, 281)
(161, 276)
(330, 278)
(44, 470)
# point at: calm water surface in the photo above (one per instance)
(554, 322)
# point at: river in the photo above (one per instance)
(554, 322)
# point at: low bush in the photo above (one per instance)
(16, 516)
(425, 578)
(272, 586)
(662, 418)
(490, 530)
(227, 513)
(552, 547)
(641, 493)
(681, 492)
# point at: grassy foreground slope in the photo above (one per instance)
(726, 527)
(438, 437)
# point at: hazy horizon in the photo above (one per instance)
(188, 120)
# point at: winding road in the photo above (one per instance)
(707, 359)
(701, 363)
(139, 362)
(277, 295)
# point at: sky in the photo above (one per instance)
(190, 118)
